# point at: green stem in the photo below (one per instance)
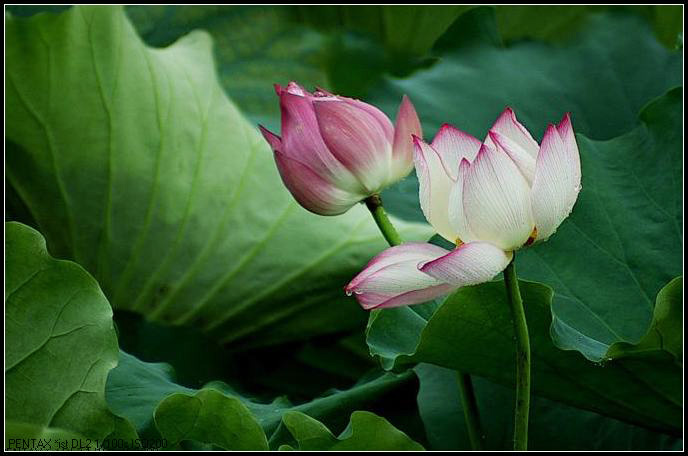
(374, 204)
(470, 405)
(470, 410)
(522, 358)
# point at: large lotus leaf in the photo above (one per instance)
(60, 343)
(552, 425)
(365, 432)
(472, 331)
(135, 164)
(623, 241)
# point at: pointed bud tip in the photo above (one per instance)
(509, 111)
(565, 119)
(274, 140)
(446, 126)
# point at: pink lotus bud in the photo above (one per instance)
(336, 151)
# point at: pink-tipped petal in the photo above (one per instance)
(557, 178)
(379, 116)
(434, 188)
(496, 200)
(392, 278)
(508, 126)
(470, 264)
(565, 130)
(453, 145)
(407, 125)
(357, 140)
(272, 139)
(311, 190)
(457, 217)
(302, 142)
(523, 160)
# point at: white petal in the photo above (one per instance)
(392, 278)
(496, 200)
(557, 178)
(453, 145)
(470, 264)
(522, 158)
(457, 217)
(508, 126)
(435, 185)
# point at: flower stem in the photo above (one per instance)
(470, 410)
(522, 358)
(374, 204)
(469, 403)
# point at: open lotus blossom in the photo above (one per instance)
(488, 198)
(336, 151)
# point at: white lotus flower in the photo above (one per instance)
(488, 198)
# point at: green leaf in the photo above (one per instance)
(665, 333)
(343, 48)
(209, 417)
(365, 432)
(138, 390)
(60, 342)
(623, 241)
(553, 426)
(280, 49)
(603, 77)
(177, 210)
(472, 332)
(134, 388)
